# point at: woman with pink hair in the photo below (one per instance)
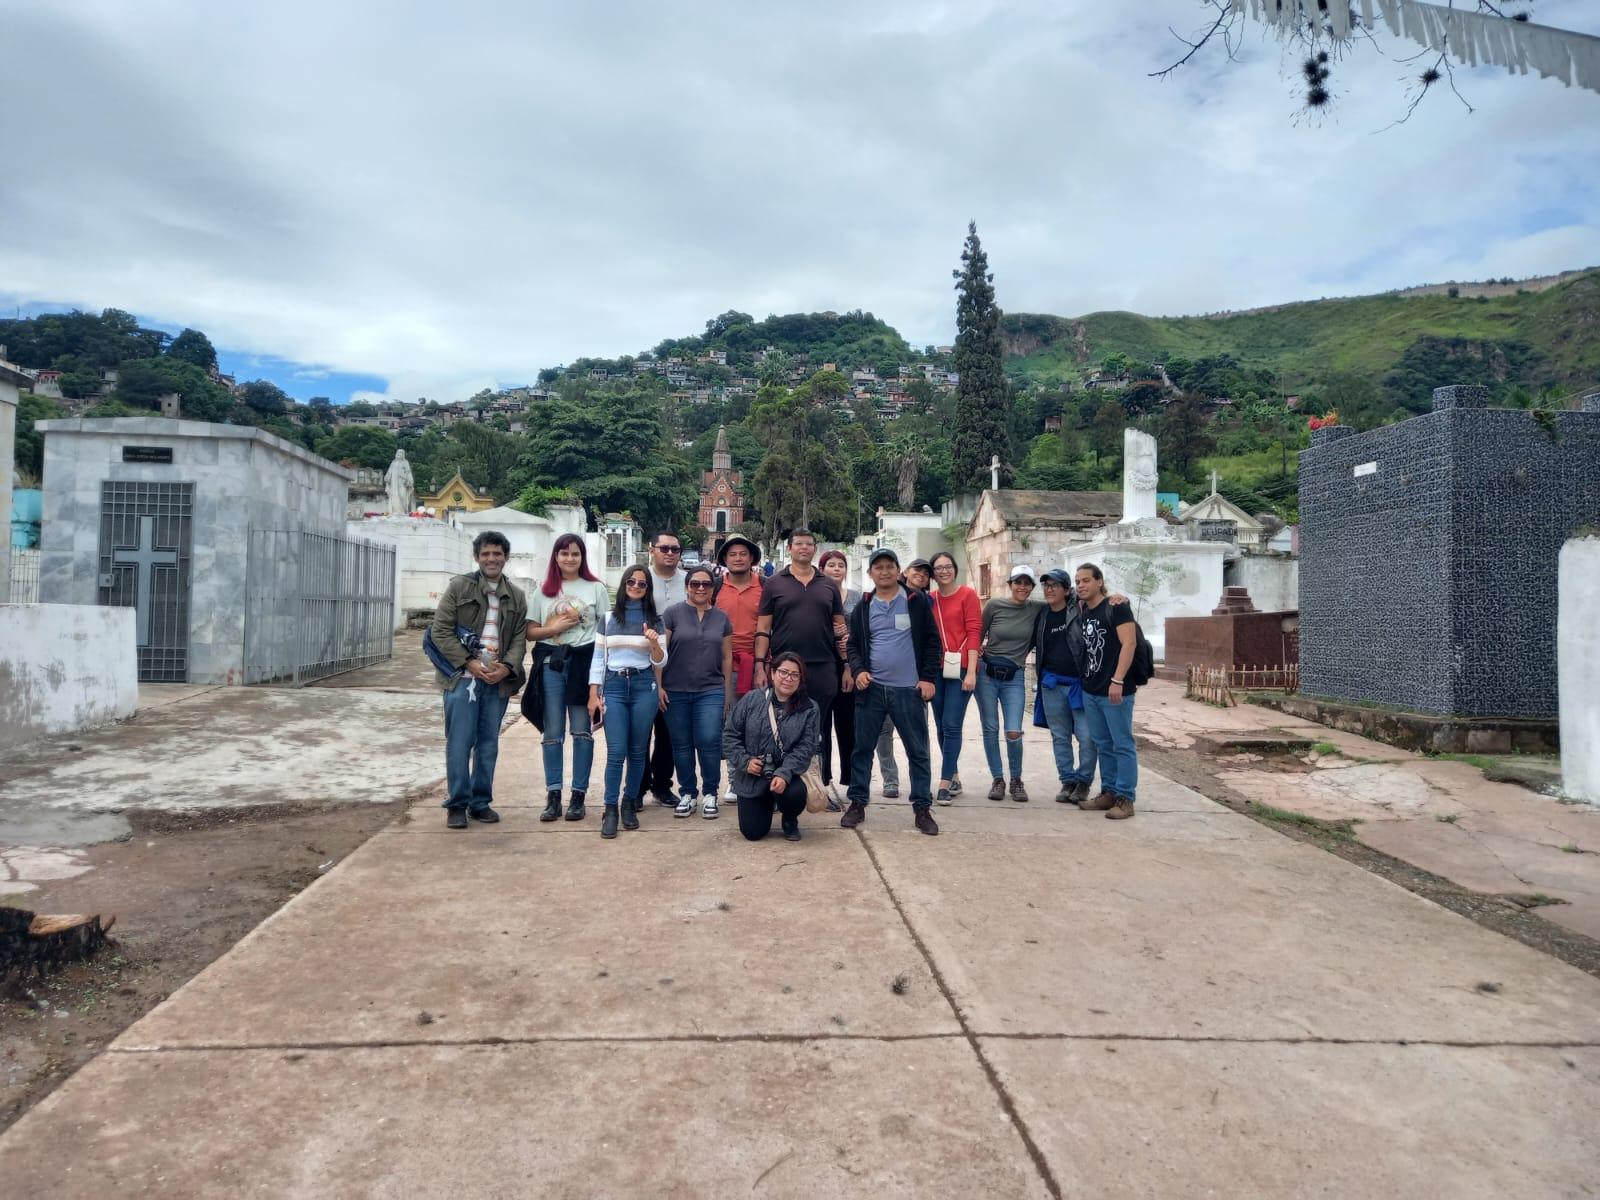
(562, 618)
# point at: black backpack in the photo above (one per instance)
(1143, 667)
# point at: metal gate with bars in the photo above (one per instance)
(144, 565)
(24, 578)
(317, 605)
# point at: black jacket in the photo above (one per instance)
(747, 734)
(924, 635)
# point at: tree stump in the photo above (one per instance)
(30, 941)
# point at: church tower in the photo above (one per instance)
(721, 495)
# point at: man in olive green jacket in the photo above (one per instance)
(495, 610)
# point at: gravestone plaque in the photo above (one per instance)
(1217, 530)
(147, 454)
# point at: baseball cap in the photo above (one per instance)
(1022, 571)
(920, 562)
(883, 552)
(1057, 576)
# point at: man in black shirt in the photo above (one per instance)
(1109, 639)
(802, 612)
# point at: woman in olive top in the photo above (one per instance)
(959, 620)
(697, 689)
(1009, 625)
(562, 618)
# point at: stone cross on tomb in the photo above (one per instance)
(994, 471)
(144, 558)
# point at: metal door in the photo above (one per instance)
(144, 565)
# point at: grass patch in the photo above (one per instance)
(1325, 748)
(1482, 761)
(1532, 899)
(1282, 816)
(1572, 848)
(1448, 818)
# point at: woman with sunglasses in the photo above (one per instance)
(770, 739)
(957, 614)
(624, 692)
(697, 690)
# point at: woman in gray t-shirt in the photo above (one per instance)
(697, 690)
(1008, 631)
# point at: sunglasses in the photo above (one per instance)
(699, 583)
(670, 549)
(636, 582)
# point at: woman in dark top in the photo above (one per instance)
(766, 767)
(697, 690)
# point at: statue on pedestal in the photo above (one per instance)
(401, 486)
(1139, 477)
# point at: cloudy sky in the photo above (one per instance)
(421, 199)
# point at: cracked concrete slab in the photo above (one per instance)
(1301, 1120)
(1265, 937)
(808, 1120)
(522, 936)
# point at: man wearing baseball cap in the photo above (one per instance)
(894, 654)
(1056, 657)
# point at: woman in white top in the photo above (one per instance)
(563, 616)
(625, 692)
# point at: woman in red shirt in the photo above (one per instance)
(959, 616)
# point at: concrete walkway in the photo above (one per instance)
(1038, 1002)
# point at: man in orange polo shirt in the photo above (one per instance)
(739, 595)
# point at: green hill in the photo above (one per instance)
(1551, 337)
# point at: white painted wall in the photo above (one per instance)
(1189, 575)
(428, 552)
(65, 667)
(1274, 581)
(1578, 668)
(8, 449)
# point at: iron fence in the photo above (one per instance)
(24, 577)
(316, 605)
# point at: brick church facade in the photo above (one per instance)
(721, 496)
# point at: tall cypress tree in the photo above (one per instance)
(982, 395)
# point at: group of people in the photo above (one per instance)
(689, 669)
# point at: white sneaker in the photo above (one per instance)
(708, 810)
(728, 797)
(686, 803)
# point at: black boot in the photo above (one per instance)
(791, 829)
(608, 822)
(552, 805)
(575, 807)
(630, 813)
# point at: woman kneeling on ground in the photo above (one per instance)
(769, 741)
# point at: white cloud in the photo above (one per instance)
(451, 203)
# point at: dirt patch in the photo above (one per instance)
(1511, 914)
(185, 887)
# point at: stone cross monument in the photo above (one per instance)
(401, 486)
(1139, 477)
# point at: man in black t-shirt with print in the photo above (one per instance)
(1110, 637)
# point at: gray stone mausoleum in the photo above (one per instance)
(227, 540)
(1429, 551)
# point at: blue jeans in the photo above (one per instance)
(558, 717)
(909, 714)
(472, 715)
(949, 711)
(1064, 724)
(1002, 702)
(1111, 727)
(695, 722)
(631, 706)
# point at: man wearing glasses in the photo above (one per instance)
(667, 586)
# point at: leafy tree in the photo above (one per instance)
(982, 393)
(804, 478)
(1105, 431)
(361, 445)
(192, 346)
(1142, 398)
(1355, 398)
(1184, 434)
(263, 396)
(1052, 477)
(744, 448)
(142, 382)
(29, 454)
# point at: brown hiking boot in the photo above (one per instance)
(1120, 811)
(997, 790)
(1018, 792)
(853, 815)
(1100, 803)
(926, 824)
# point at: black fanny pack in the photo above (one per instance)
(1000, 668)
